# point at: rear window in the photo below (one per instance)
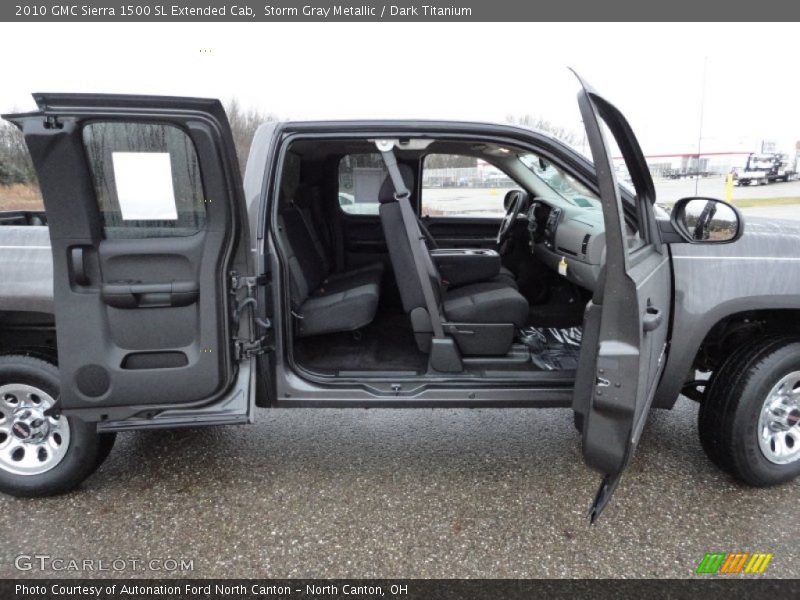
(147, 179)
(360, 179)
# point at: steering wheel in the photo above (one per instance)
(515, 205)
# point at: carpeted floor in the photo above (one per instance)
(386, 344)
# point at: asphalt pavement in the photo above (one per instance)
(404, 493)
(409, 493)
(670, 190)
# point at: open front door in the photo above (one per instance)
(148, 225)
(625, 326)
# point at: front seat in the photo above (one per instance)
(481, 317)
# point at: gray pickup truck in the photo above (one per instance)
(351, 268)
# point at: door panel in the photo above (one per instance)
(463, 232)
(147, 220)
(481, 232)
(629, 317)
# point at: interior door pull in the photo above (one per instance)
(652, 318)
(77, 264)
(135, 294)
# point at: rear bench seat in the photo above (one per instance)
(325, 301)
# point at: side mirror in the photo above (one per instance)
(707, 221)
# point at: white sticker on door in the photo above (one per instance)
(144, 186)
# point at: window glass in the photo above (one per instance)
(634, 235)
(462, 186)
(360, 179)
(560, 182)
(147, 179)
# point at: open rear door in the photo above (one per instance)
(148, 225)
(625, 327)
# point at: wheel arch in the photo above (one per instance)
(724, 331)
(29, 333)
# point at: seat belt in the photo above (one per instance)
(415, 238)
(323, 256)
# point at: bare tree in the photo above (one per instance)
(16, 166)
(15, 162)
(568, 136)
(244, 123)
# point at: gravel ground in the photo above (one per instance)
(405, 493)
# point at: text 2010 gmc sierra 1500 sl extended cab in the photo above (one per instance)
(160, 290)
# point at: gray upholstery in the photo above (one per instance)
(324, 301)
(392, 211)
(507, 277)
(345, 310)
(402, 260)
(491, 302)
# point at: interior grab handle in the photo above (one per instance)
(77, 264)
(135, 294)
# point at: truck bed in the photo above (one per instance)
(26, 263)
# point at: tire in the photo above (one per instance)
(79, 451)
(106, 444)
(577, 421)
(729, 417)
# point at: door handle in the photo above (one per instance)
(77, 264)
(135, 294)
(652, 318)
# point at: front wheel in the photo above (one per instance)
(42, 455)
(749, 421)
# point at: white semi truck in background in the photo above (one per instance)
(766, 167)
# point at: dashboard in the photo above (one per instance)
(572, 234)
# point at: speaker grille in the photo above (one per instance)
(92, 380)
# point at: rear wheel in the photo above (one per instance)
(41, 454)
(749, 421)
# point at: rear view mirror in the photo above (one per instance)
(707, 221)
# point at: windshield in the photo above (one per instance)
(563, 184)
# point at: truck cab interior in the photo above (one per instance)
(511, 244)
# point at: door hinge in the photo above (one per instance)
(257, 344)
(239, 281)
(251, 348)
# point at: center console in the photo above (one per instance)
(468, 265)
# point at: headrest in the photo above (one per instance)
(386, 193)
(305, 196)
(290, 177)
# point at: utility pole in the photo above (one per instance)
(700, 125)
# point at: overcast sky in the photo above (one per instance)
(653, 72)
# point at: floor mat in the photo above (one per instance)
(553, 349)
(386, 344)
